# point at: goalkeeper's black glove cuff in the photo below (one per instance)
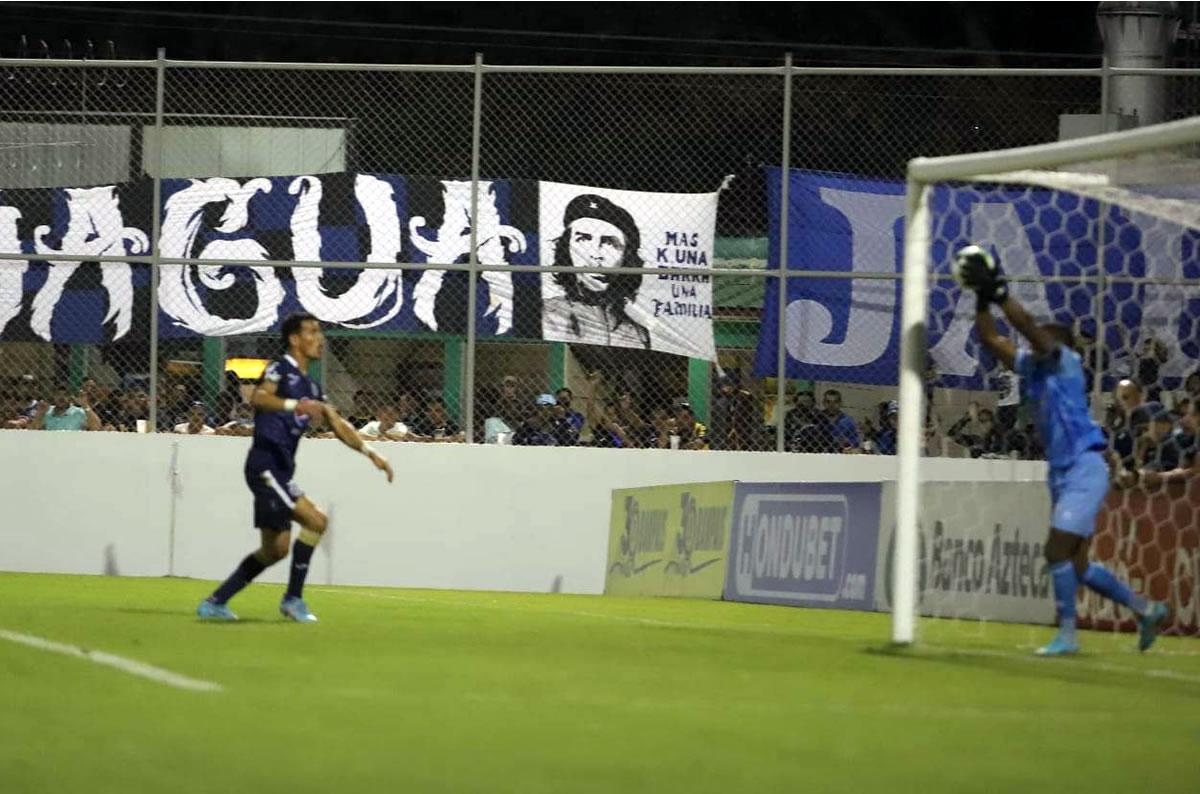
(999, 291)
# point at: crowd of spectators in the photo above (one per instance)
(1150, 443)
(1151, 431)
(609, 413)
(28, 404)
(985, 433)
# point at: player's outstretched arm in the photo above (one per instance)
(1042, 342)
(1179, 474)
(265, 399)
(990, 337)
(979, 271)
(349, 436)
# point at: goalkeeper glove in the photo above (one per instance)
(980, 271)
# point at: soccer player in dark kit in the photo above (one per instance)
(285, 401)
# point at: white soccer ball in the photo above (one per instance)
(965, 256)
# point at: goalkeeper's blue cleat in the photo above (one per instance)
(295, 609)
(211, 610)
(1151, 623)
(1061, 645)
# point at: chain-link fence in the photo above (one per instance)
(497, 254)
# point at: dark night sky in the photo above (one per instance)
(569, 33)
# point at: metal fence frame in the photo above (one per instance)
(786, 73)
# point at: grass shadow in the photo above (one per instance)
(175, 613)
(1069, 670)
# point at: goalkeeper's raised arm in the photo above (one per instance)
(979, 271)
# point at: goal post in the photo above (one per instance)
(1110, 170)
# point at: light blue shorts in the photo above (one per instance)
(1076, 494)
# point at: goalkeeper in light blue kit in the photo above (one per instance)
(1052, 380)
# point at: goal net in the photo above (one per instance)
(1101, 235)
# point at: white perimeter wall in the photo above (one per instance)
(482, 517)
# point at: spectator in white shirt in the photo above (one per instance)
(196, 422)
(241, 423)
(386, 427)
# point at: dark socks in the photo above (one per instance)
(245, 573)
(301, 556)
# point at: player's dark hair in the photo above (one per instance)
(834, 392)
(292, 325)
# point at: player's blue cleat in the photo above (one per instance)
(211, 610)
(295, 609)
(1150, 624)
(1061, 645)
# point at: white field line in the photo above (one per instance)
(1103, 667)
(131, 666)
(760, 628)
(1126, 649)
(768, 629)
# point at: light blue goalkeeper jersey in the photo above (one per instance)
(1055, 385)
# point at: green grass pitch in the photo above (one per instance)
(422, 691)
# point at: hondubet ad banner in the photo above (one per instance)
(804, 544)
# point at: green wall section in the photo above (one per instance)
(212, 372)
(453, 350)
(77, 364)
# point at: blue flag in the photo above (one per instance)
(840, 329)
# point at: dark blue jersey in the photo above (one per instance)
(277, 433)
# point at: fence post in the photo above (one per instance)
(784, 178)
(1101, 331)
(473, 256)
(155, 233)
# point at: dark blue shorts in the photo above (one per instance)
(275, 496)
